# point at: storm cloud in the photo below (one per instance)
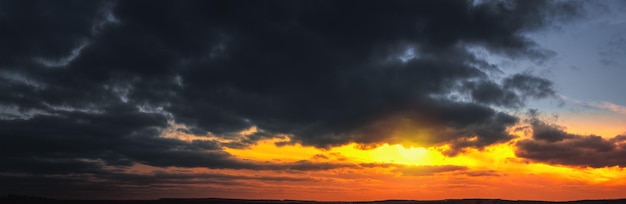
(87, 84)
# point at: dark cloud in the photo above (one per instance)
(480, 173)
(551, 144)
(118, 139)
(100, 81)
(513, 92)
(132, 185)
(319, 157)
(41, 30)
(80, 178)
(547, 132)
(530, 86)
(122, 185)
(36, 165)
(429, 170)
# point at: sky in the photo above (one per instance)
(313, 100)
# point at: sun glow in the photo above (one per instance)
(499, 159)
(493, 171)
(386, 153)
(411, 153)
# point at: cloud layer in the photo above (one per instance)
(551, 144)
(92, 84)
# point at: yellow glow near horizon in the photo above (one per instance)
(266, 150)
(386, 153)
(495, 169)
(411, 153)
(500, 157)
(395, 153)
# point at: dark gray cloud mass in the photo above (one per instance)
(551, 144)
(85, 81)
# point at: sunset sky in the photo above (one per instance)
(313, 100)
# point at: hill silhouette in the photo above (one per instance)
(25, 199)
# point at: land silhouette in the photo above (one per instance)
(20, 199)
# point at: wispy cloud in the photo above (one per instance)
(612, 107)
(605, 105)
